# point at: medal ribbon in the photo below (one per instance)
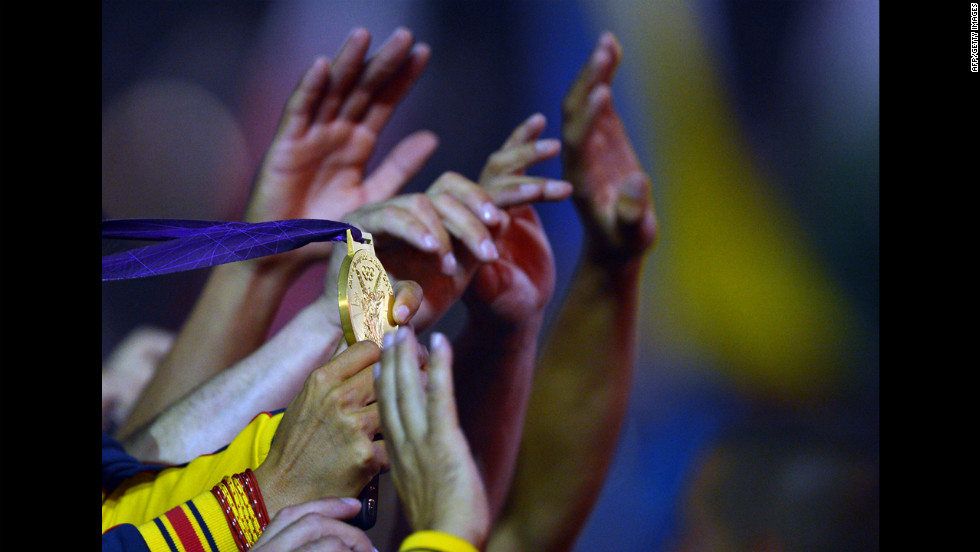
(190, 244)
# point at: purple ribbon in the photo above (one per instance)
(190, 244)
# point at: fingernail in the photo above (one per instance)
(395, 33)
(387, 339)
(547, 146)
(489, 212)
(401, 333)
(356, 31)
(488, 250)
(430, 242)
(599, 56)
(529, 189)
(401, 313)
(437, 340)
(554, 188)
(449, 264)
(351, 501)
(635, 187)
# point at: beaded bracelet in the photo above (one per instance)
(241, 501)
(251, 486)
(242, 510)
(236, 532)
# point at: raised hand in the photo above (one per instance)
(582, 379)
(315, 166)
(612, 191)
(521, 280)
(441, 237)
(434, 472)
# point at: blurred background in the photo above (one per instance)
(755, 401)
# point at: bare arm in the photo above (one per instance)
(265, 381)
(314, 168)
(506, 301)
(582, 381)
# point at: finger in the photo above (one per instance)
(465, 209)
(385, 390)
(516, 159)
(466, 227)
(528, 130)
(401, 165)
(313, 527)
(388, 97)
(441, 402)
(335, 508)
(598, 105)
(636, 222)
(346, 68)
(408, 388)
(377, 72)
(610, 43)
(412, 219)
(519, 190)
(380, 455)
(348, 362)
(404, 219)
(599, 68)
(301, 106)
(406, 302)
(357, 391)
(473, 196)
(330, 543)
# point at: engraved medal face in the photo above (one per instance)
(364, 293)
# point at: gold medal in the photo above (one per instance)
(364, 293)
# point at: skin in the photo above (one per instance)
(128, 368)
(413, 234)
(231, 398)
(324, 444)
(583, 379)
(315, 525)
(581, 384)
(314, 168)
(436, 476)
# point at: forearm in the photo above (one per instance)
(495, 366)
(142, 504)
(577, 405)
(230, 319)
(265, 381)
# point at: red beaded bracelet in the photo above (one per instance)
(236, 531)
(242, 510)
(254, 494)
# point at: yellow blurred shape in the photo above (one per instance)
(736, 276)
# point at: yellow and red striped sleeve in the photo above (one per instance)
(198, 525)
(148, 494)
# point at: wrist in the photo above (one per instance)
(279, 270)
(484, 321)
(274, 499)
